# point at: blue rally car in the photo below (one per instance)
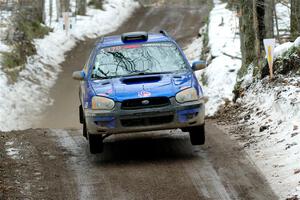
(137, 82)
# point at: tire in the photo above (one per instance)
(197, 135)
(96, 143)
(81, 118)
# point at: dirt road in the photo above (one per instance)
(56, 163)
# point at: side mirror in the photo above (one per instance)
(78, 75)
(198, 65)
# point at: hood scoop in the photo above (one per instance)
(143, 79)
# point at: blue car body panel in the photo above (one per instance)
(119, 89)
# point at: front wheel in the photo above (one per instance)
(96, 143)
(197, 135)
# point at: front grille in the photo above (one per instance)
(147, 121)
(152, 102)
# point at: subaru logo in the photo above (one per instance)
(145, 102)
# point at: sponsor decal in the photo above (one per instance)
(109, 91)
(160, 44)
(102, 94)
(132, 46)
(184, 87)
(144, 93)
(136, 46)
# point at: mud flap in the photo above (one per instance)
(81, 119)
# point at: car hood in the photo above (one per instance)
(143, 86)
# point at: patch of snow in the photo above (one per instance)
(21, 103)
(194, 50)
(12, 152)
(4, 47)
(282, 48)
(283, 15)
(297, 42)
(223, 31)
(224, 42)
(248, 78)
(4, 22)
(221, 77)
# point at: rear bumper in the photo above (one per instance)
(149, 119)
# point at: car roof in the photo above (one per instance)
(116, 40)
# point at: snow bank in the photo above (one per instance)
(21, 103)
(219, 77)
(282, 48)
(274, 109)
(276, 123)
(193, 51)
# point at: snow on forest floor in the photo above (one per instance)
(219, 78)
(29, 94)
(272, 113)
(267, 119)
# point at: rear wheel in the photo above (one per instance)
(96, 143)
(197, 135)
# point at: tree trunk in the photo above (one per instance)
(81, 7)
(58, 10)
(276, 22)
(50, 11)
(295, 19)
(256, 29)
(65, 5)
(33, 10)
(247, 35)
(39, 8)
(268, 18)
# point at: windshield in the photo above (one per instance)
(137, 59)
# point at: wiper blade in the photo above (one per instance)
(145, 73)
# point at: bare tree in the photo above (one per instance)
(50, 11)
(32, 9)
(81, 7)
(295, 19)
(247, 35)
(268, 18)
(65, 5)
(256, 24)
(58, 9)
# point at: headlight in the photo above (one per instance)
(102, 103)
(187, 95)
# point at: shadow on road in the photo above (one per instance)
(150, 147)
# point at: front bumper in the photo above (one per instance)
(149, 119)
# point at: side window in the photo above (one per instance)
(86, 66)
